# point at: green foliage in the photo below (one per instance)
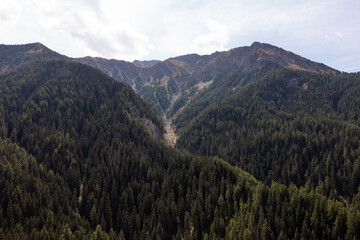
(279, 212)
(221, 88)
(157, 97)
(287, 128)
(182, 100)
(76, 162)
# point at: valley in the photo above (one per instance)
(169, 135)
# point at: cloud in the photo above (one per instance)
(121, 43)
(97, 32)
(339, 34)
(214, 40)
(10, 10)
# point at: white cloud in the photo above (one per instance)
(214, 40)
(97, 32)
(339, 34)
(121, 42)
(9, 11)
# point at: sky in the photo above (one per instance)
(325, 31)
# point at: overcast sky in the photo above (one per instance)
(326, 31)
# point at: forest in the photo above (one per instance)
(77, 160)
(279, 130)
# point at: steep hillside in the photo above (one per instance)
(291, 127)
(157, 83)
(227, 72)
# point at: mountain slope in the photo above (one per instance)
(93, 168)
(156, 84)
(290, 127)
(233, 70)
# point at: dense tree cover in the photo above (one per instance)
(291, 127)
(35, 201)
(278, 212)
(183, 98)
(157, 97)
(76, 162)
(93, 167)
(194, 102)
(178, 197)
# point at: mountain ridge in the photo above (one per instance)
(191, 59)
(162, 84)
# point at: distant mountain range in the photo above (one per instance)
(160, 82)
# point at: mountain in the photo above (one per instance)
(180, 88)
(160, 82)
(291, 126)
(232, 70)
(78, 162)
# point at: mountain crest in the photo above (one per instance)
(11, 56)
(287, 59)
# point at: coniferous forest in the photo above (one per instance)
(80, 157)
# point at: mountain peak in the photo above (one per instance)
(260, 45)
(257, 44)
(267, 52)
